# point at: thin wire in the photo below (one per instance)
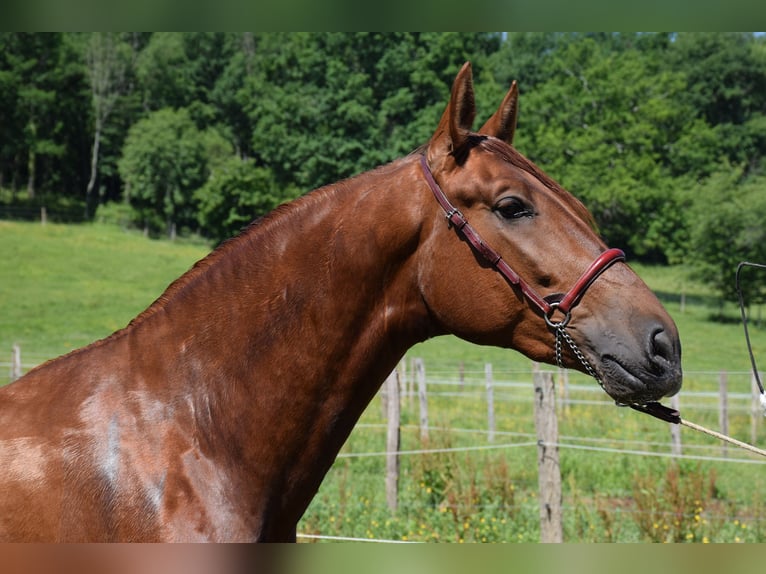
(381, 426)
(353, 539)
(436, 450)
(657, 454)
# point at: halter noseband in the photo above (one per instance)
(546, 305)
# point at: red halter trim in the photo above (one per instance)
(566, 303)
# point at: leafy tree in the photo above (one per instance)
(236, 193)
(325, 106)
(608, 143)
(726, 89)
(638, 125)
(165, 159)
(228, 95)
(42, 87)
(727, 227)
(162, 72)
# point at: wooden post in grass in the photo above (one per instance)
(562, 382)
(723, 414)
(490, 401)
(406, 381)
(16, 363)
(675, 430)
(756, 411)
(420, 375)
(549, 477)
(392, 441)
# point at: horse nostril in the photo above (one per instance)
(662, 346)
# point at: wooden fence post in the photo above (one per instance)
(723, 415)
(420, 375)
(675, 430)
(393, 439)
(406, 382)
(562, 382)
(756, 413)
(490, 402)
(549, 478)
(16, 363)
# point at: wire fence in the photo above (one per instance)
(467, 392)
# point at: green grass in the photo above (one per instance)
(62, 287)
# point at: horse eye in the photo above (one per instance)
(513, 208)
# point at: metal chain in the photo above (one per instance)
(562, 334)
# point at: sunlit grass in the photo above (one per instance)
(64, 286)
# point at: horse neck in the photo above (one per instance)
(321, 277)
(294, 324)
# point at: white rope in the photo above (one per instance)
(723, 437)
(561, 437)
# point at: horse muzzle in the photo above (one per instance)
(643, 372)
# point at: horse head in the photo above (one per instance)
(516, 245)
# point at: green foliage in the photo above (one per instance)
(726, 227)
(607, 145)
(674, 511)
(43, 99)
(165, 159)
(325, 106)
(632, 123)
(237, 192)
(120, 214)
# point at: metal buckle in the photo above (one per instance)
(455, 212)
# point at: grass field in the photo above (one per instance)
(64, 286)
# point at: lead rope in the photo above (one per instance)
(654, 409)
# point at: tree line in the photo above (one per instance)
(662, 135)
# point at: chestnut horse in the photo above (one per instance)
(215, 414)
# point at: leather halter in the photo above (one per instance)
(547, 305)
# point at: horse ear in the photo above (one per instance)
(502, 124)
(457, 119)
